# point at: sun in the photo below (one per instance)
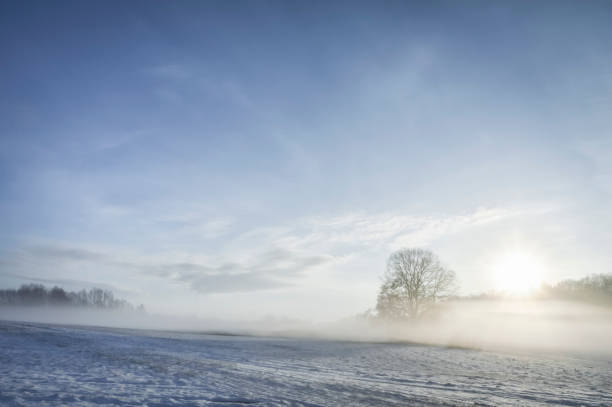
(517, 273)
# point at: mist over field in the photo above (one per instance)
(549, 326)
(495, 325)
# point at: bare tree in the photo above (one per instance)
(414, 281)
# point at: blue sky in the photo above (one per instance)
(245, 158)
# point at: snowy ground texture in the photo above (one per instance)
(50, 365)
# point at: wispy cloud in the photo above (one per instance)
(382, 230)
(176, 81)
(169, 71)
(64, 253)
(220, 274)
(273, 269)
(195, 224)
(260, 258)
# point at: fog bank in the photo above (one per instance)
(555, 326)
(550, 326)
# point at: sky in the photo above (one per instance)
(261, 159)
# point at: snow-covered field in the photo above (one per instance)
(44, 365)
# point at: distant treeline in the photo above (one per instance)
(594, 289)
(39, 295)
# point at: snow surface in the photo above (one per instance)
(51, 365)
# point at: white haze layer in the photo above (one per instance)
(496, 325)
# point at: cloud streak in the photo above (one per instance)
(259, 259)
(273, 269)
(266, 270)
(389, 231)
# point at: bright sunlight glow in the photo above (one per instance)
(517, 273)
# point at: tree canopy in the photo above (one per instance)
(39, 295)
(414, 281)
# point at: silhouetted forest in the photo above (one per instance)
(39, 295)
(596, 289)
(593, 289)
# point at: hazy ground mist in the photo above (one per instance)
(495, 325)
(499, 325)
